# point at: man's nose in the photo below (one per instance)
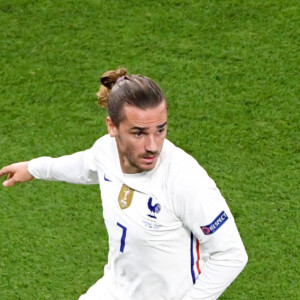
(151, 144)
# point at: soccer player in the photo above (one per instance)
(171, 233)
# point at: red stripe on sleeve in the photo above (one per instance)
(198, 256)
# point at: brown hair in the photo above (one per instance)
(117, 88)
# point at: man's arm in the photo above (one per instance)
(227, 258)
(76, 168)
(17, 172)
(202, 209)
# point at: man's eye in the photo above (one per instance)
(161, 130)
(139, 133)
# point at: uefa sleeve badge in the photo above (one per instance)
(215, 224)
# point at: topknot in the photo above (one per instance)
(108, 80)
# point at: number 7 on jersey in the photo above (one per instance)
(123, 237)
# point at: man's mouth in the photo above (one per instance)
(149, 159)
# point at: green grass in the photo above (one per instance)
(230, 70)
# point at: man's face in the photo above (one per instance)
(140, 137)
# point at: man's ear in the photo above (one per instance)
(111, 128)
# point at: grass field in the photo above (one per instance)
(230, 70)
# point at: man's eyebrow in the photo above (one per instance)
(162, 125)
(145, 128)
(139, 128)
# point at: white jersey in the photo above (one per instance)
(171, 233)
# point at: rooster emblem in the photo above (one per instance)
(154, 209)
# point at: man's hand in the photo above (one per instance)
(17, 172)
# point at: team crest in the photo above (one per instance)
(125, 196)
(154, 208)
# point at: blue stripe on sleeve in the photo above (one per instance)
(192, 259)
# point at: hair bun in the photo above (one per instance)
(109, 78)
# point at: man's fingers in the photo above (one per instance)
(17, 172)
(8, 183)
(4, 171)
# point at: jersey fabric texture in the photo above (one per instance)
(171, 233)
